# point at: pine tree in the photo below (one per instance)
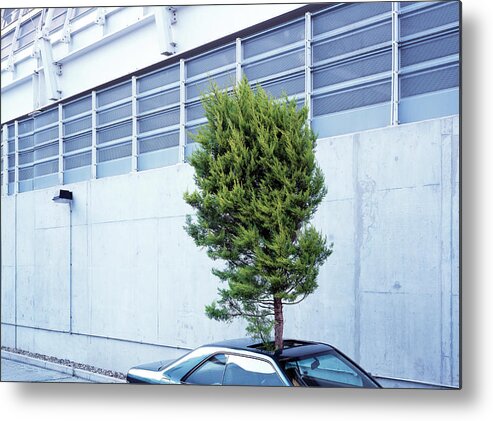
(258, 187)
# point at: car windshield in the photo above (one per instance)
(328, 369)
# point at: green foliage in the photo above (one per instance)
(258, 187)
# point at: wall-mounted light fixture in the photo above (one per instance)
(65, 196)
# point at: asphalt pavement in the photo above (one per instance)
(14, 371)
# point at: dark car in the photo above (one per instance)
(244, 362)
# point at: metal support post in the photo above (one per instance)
(101, 16)
(66, 32)
(16, 157)
(165, 16)
(181, 149)
(308, 65)
(394, 118)
(10, 60)
(60, 145)
(5, 181)
(134, 124)
(239, 59)
(94, 135)
(51, 70)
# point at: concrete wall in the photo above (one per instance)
(388, 296)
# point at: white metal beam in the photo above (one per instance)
(5, 180)
(10, 60)
(67, 28)
(394, 111)
(50, 69)
(165, 16)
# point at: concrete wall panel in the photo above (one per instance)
(330, 153)
(26, 291)
(406, 156)
(401, 248)
(400, 335)
(186, 285)
(8, 231)
(8, 336)
(52, 282)
(8, 294)
(123, 279)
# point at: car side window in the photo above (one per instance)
(211, 372)
(327, 370)
(245, 371)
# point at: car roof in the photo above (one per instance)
(293, 348)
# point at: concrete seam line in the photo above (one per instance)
(77, 372)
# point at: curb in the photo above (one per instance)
(77, 372)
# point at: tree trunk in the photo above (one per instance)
(278, 323)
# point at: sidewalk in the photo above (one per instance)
(49, 371)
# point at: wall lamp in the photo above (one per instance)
(65, 196)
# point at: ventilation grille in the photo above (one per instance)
(45, 135)
(289, 86)
(77, 125)
(25, 126)
(192, 131)
(26, 142)
(114, 94)
(26, 157)
(46, 168)
(156, 143)
(405, 4)
(113, 114)
(223, 80)
(195, 111)
(211, 61)
(159, 100)
(430, 81)
(25, 173)
(156, 80)
(347, 15)
(356, 41)
(111, 153)
(429, 50)
(78, 107)
(430, 19)
(276, 39)
(27, 31)
(117, 131)
(46, 151)
(277, 65)
(58, 19)
(355, 98)
(46, 118)
(159, 121)
(77, 142)
(6, 43)
(77, 161)
(353, 70)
